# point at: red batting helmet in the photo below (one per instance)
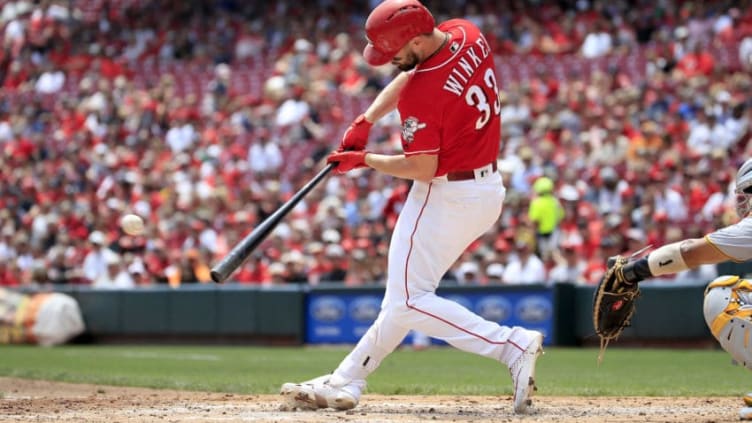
(391, 25)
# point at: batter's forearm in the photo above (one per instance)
(401, 167)
(387, 99)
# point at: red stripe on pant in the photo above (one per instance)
(407, 291)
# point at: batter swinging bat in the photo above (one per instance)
(243, 249)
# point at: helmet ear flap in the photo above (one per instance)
(744, 189)
(743, 204)
(744, 177)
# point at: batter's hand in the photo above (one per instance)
(356, 136)
(348, 160)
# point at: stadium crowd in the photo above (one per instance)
(623, 124)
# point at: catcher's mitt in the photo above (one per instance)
(613, 303)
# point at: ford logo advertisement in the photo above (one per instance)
(327, 309)
(341, 317)
(534, 309)
(365, 309)
(494, 308)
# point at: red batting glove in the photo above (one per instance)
(356, 136)
(348, 160)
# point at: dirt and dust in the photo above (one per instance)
(43, 401)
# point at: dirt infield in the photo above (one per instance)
(41, 401)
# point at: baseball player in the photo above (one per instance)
(447, 98)
(733, 242)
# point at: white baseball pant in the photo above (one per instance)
(439, 220)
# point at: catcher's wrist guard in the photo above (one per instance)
(666, 260)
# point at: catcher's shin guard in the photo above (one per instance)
(728, 313)
(747, 399)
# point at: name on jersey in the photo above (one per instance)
(466, 67)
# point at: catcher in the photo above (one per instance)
(614, 299)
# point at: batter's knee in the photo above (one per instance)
(395, 310)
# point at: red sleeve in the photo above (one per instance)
(420, 127)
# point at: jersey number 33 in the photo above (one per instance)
(478, 97)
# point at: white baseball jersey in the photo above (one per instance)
(735, 241)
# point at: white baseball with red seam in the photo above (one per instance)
(132, 224)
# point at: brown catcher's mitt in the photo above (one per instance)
(613, 303)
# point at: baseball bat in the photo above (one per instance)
(243, 249)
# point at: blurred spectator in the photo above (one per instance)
(515, 115)
(698, 62)
(598, 42)
(607, 195)
(181, 135)
(191, 267)
(277, 273)
(95, 263)
(666, 198)
(116, 276)
(545, 212)
(358, 269)
(745, 52)
(708, 134)
(570, 267)
(60, 270)
(264, 155)
(468, 274)
(495, 274)
(338, 270)
(526, 172)
(636, 240)
(294, 108)
(736, 124)
(254, 271)
(525, 268)
(138, 272)
(9, 274)
(319, 264)
(613, 149)
(295, 267)
(596, 266)
(50, 81)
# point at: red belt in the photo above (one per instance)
(463, 175)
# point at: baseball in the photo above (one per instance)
(132, 224)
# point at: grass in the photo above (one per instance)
(261, 370)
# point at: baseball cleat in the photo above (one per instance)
(317, 393)
(523, 374)
(745, 413)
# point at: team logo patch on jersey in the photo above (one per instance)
(410, 126)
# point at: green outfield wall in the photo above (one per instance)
(193, 313)
(289, 315)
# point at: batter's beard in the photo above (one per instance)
(411, 61)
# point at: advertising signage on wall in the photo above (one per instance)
(342, 316)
